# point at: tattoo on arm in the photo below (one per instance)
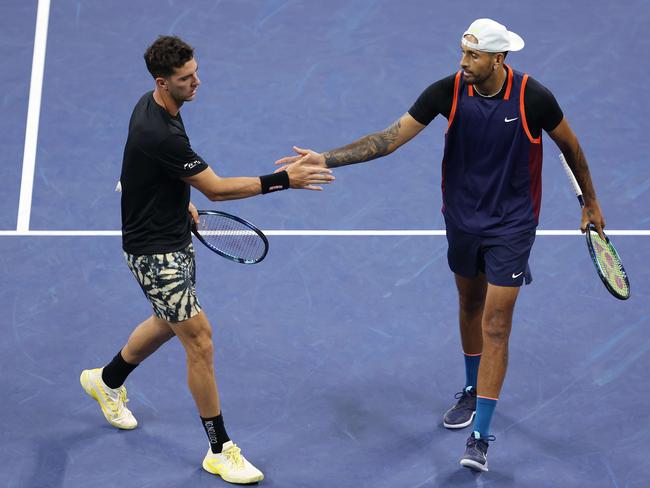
(369, 147)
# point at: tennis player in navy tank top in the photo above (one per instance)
(491, 167)
(491, 192)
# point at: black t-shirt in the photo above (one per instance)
(542, 110)
(155, 219)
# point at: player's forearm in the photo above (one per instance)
(367, 148)
(235, 188)
(244, 187)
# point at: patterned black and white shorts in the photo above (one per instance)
(168, 281)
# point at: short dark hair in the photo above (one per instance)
(166, 54)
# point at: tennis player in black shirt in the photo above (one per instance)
(158, 168)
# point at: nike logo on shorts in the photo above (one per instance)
(515, 276)
(509, 120)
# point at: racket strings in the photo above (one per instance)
(231, 237)
(610, 264)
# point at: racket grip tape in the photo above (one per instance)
(572, 179)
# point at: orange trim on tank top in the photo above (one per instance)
(509, 87)
(522, 111)
(454, 102)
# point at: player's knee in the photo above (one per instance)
(471, 305)
(200, 350)
(198, 343)
(496, 328)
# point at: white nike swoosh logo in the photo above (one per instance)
(515, 276)
(509, 120)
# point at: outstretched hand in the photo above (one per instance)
(304, 173)
(305, 156)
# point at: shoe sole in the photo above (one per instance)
(86, 384)
(460, 426)
(225, 477)
(468, 463)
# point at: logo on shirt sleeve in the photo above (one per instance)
(191, 165)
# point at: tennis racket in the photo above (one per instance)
(603, 253)
(231, 237)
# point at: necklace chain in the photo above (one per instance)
(496, 92)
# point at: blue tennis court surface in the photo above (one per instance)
(337, 356)
(17, 41)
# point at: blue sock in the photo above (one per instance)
(484, 410)
(471, 369)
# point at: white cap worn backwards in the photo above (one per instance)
(492, 37)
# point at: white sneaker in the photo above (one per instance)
(231, 465)
(112, 401)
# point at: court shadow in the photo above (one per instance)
(51, 458)
(466, 477)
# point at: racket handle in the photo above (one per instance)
(572, 179)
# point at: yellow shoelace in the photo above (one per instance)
(233, 455)
(117, 405)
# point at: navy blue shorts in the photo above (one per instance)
(503, 259)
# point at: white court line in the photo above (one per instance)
(33, 115)
(361, 233)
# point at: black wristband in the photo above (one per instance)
(275, 182)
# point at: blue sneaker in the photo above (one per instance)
(461, 414)
(475, 456)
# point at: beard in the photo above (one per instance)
(478, 79)
(181, 98)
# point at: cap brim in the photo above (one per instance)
(515, 41)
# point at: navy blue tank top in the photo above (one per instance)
(492, 167)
